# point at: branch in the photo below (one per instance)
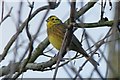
(35, 66)
(38, 51)
(96, 24)
(84, 9)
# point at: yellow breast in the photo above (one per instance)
(55, 37)
(55, 41)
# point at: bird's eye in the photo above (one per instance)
(52, 18)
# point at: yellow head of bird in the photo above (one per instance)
(53, 20)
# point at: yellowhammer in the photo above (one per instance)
(56, 30)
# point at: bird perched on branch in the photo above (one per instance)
(56, 30)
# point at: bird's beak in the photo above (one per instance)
(47, 20)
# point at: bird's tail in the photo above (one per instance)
(77, 46)
(90, 59)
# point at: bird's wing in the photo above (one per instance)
(77, 46)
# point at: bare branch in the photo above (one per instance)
(96, 24)
(2, 10)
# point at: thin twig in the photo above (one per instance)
(102, 10)
(18, 23)
(8, 15)
(110, 3)
(2, 10)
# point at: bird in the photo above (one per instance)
(56, 30)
